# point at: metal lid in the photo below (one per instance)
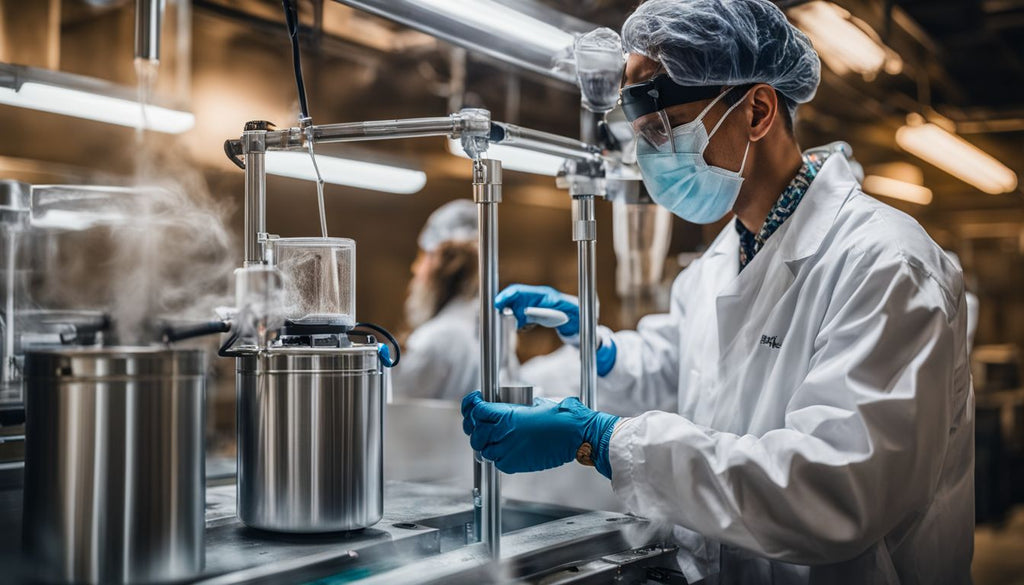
(106, 362)
(359, 358)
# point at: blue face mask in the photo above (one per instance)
(679, 179)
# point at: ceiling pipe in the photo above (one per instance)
(490, 27)
(148, 18)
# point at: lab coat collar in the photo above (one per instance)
(817, 212)
(805, 230)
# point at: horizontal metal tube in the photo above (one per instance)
(372, 130)
(543, 142)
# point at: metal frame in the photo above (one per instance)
(476, 130)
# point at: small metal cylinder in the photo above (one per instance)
(516, 394)
(148, 19)
(114, 464)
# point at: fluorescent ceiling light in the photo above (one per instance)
(844, 42)
(516, 159)
(887, 187)
(92, 99)
(510, 23)
(347, 172)
(956, 156)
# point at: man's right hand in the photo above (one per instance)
(520, 297)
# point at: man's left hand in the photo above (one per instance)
(533, 438)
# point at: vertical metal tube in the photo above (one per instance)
(148, 18)
(584, 233)
(9, 317)
(254, 153)
(487, 194)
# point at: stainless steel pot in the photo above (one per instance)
(114, 464)
(310, 426)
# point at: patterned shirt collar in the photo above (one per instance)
(751, 243)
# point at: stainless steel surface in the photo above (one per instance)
(310, 427)
(148, 18)
(517, 394)
(420, 539)
(114, 464)
(480, 30)
(255, 212)
(585, 235)
(487, 185)
(641, 234)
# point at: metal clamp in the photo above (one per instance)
(486, 180)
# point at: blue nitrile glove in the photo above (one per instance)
(520, 297)
(606, 353)
(533, 438)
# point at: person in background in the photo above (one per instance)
(441, 357)
(804, 412)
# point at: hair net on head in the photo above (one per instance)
(453, 221)
(725, 42)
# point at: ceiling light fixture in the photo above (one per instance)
(951, 153)
(347, 172)
(845, 43)
(897, 189)
(85, 97)
(516, 159)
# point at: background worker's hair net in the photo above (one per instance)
(725, 42)
(453, 221)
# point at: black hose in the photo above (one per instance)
(172, 333)
(292, 19)
(233, 148)
(225, 349)
(391, 339)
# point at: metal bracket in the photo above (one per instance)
(486, 180)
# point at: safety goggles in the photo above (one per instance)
(644, 105)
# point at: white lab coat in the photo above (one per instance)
(812, 415)
(441, 359)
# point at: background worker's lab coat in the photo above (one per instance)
(825, 411)
(441, 359)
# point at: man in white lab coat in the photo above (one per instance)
(441, 356)
(804, 412)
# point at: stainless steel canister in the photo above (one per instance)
(310, 438)
(114, 464)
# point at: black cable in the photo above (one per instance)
(174, 333)
(390, 338)
(292, 19)
(233, 148)
(224, 349)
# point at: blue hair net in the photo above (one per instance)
(725, 42)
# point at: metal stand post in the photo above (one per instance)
(487, 195)
(585, 180)
(584, 233)
(254, 151)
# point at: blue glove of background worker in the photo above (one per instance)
(520, 297)
(521, 438)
